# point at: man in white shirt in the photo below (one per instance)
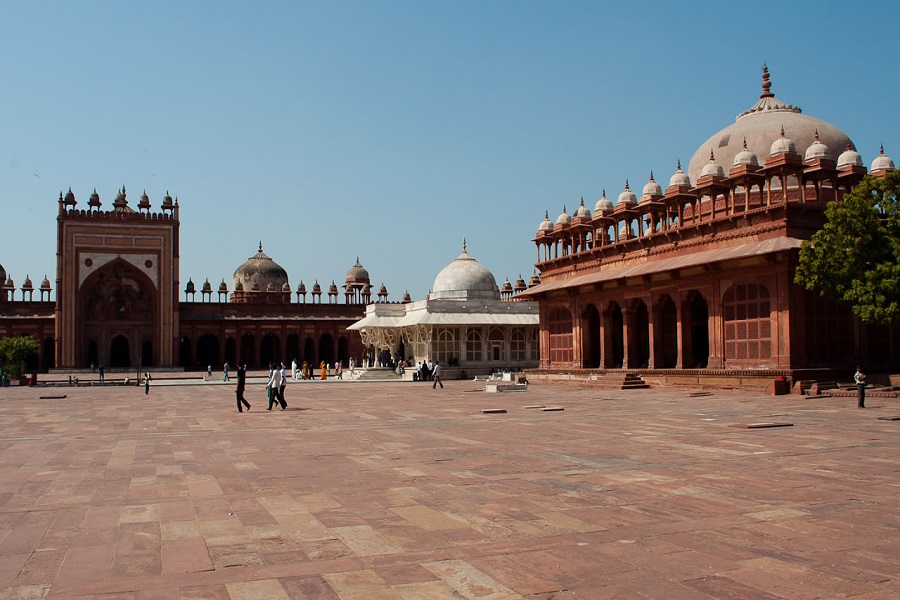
(436, 376)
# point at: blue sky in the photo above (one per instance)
(393, 130)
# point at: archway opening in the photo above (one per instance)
(326, 348)
(699, 332)
(615, 354)
(208, 351)
(248, 350)
(591, 349)
(119, 353)
(269, 350)
(666, 334)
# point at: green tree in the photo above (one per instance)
(16, 350)
(855, 257)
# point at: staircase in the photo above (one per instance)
(618, 381)
(376, 374)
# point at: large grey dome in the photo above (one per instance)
(465, 279)
(761, 125)
(260, 271)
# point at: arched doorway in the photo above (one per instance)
(666, 333)
(119, 353)
(344, 352)
(208, 351)
(248, 349)
(48, 359)
(269, 349)
(326, 348)
(590, 351)
(640, 351)
(699, 332)
(309, 351)
(117, 301)
(185, 354)
(93, 355)
(230, 354)
(615, 339)
(147, 354)
(292, 351)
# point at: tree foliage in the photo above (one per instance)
(16, 350)
(855, 257)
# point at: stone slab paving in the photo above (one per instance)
(395, 491)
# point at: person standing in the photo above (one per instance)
(859, 378)
(100, 372)
(324, 368)
(241, 385)
(339, 369)
(208, 372)
(294, 369)
(147, 383)
(436, 375)
(225, 369)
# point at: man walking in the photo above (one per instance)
(241, 384)
(436, 375)
(859, 378)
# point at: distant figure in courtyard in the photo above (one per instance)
(339, 369)
(93, 367)
(436, 375)
(294, 369)
(859, 378)
(352, 366)
(208, 372)
(283, 385)
(241, 385)
(147, 383)
(225, 370)
(100, 372)
(273, 387)
(324, 368)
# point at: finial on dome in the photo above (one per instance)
(546, 212)
(817, 134)
(464, 246)
(651, 174)
(881, 151)
(745, 141)
(603, 193)
(766, 84)
(626, 188)
(679, 164)
(582, 198)
(712, 157)
(260, 245)
(782, 131)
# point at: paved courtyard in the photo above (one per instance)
(395, 491)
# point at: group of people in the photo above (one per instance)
(429, 371)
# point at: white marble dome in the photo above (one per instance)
(760, 126)
(882, 162)
(745, 158)
(564, 218)
(849, 157)
(651, 188)
(679, 178)
(546, 224)
(464, 279)
(582, 212)
(712, 167)
(627, 197)
(817, 150)
(604, 204)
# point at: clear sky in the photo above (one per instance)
(391, 130)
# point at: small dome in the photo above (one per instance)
(520, 284)
(27, 285)
(239, 287)
(534, 280)
(507, 286)
(145, 200)
(745, 158)
(167, 200)
(317, 289)
(94, 199)
(783, 145)
(270, 287)
(582, 212)
(45, 284)
(10, 284)
(679, 178)
(121, 197)
(712, 167)
(406, 298)
(190, 288)
(260, 270)
(849, 157)
(223, 287)
(254, 287)
(627, 197)
(604, 204)
(286, 287)
(882, 162)
(382, 291)
(464, 279)
(546, 224)
(817, 150)
(301, 288)
(651, 188)
(70, 198)
(207, 286)
(357, 274)
(332, 289)
(563, 218)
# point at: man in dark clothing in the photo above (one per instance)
(241, 384)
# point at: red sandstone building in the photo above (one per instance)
(696, 281)
(117, 300)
